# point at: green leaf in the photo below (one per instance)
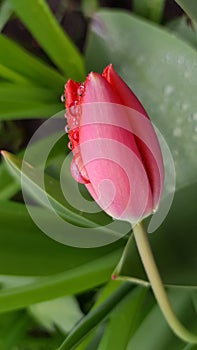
(27, 101)
(72, 281)
(63, 313)
(27, 94)
(89, 7)
(12, 76)
(146, 338)
(33, 179)
(33, 185)
(27, 109)
(152, 9)
(51, 37)
(94, 317)
(5, 13)
(189, 6)
(124, 321)
(105, 293)
(173, 245)
(162, 71)
(8, 186)
(29, 67)
(26, 251)
(12, 328)
(180, 27)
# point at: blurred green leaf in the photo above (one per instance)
(12, 328)
(29, 67)
(27, 102)
(51, 37)
(27, 109)
(182, 29)
(10, 75)
(63, 313)
(105, 293)
(154, 333)
(8, 186)
(161, 69)
(51, 187)
(16, 92)
(94, 317)
(72, 281)
(5, 13)
(173, 245)
(42, 186)
(26, 251)
(123, 321)
(189, 6)
(152, 9)
(89, 7)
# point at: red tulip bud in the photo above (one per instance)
(115, 147)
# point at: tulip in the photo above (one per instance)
(116, 151)
(118, 158)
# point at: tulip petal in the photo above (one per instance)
(126, 95)
(116, 151)
(152, 158)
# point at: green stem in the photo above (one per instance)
(152, 272)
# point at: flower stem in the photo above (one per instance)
(152, 272)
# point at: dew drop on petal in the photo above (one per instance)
(67, 129)
(77, 175)
(80, 90)
(63, 98)
(76, 135)
(70, 146)
(74, 109)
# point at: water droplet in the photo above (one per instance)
(168, 90)
(140, 59)
(194, 138)
(80, 90)
(75, 109)
(177, 132)
(176, 152)
(194, 116)
(184, 106)
(179, 121)
(168, 57)
(70, 146)
(62, 98)
(83, 173)
(154, 210)
(67, 129)
(186, 74)
(65, 116)
(75, 135)
(180, 60)
(77, 175)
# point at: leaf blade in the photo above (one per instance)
(49, 34)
